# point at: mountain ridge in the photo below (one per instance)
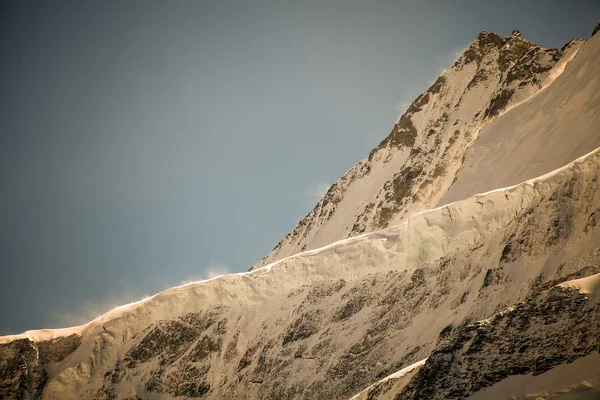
(41, 335)
(416, 163)
(99, 347)
(441, 283)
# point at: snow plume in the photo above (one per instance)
(317, 191)
(402, 106)
(449, 59)
(81, 313)
(413, 91)
(213, 270)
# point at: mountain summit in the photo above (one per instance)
(416, 166)
(460, 259)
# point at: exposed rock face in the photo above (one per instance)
(22, 365)
(549, 329)
(21, 373)
(56, 350)
(557, 125)
(412, 168)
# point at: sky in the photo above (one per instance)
(148, 143)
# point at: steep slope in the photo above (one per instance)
(412, 169)
(329, 322)
(387, 387)
(544, 347)
(554, 127)
(550, 329)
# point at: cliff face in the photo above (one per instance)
(545, 347)
(24, 365)
(412, 169)
(549, 329)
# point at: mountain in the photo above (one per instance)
(461, 259)
(415, 168)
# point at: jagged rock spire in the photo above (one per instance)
(516, 34)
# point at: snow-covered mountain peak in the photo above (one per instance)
(414, 166)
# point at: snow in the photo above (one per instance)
(352, 257)
(406, 370)
(460, 105)
(422, 237)
(589, 286)
(556, 71)
(257, 298)
(395, 375)
(40, 335)
(574, 380)
(555, 126)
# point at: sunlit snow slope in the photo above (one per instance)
(330, 322)
(413, 168)
(552, 128)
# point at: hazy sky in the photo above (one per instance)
(144, 143)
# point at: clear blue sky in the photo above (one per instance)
(145, 143)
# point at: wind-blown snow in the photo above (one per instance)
(589, 286)
(352, 257)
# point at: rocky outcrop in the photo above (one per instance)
(23, 363)
(21, 372)
(548, 329)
